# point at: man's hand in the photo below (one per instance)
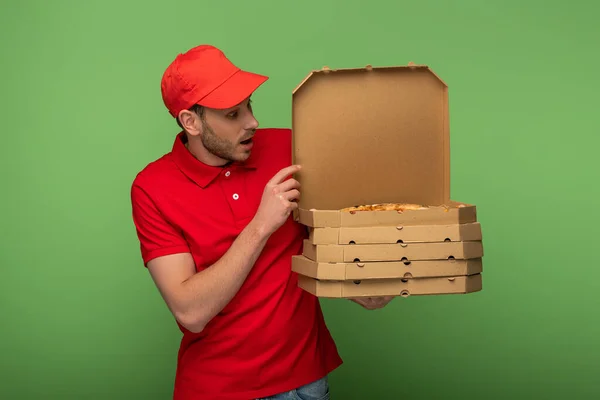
(372, 303)
(279, 199)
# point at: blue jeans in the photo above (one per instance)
(317, 390)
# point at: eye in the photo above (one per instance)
(233, 114)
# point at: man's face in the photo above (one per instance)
(228, 133)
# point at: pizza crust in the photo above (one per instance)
(385, 207)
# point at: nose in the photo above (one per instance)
(252, 123)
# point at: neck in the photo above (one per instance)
(197, 149)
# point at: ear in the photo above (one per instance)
(190, 122)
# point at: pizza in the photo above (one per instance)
(385, 207)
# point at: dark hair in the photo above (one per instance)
(197, 109)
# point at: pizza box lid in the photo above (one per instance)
(371, 135)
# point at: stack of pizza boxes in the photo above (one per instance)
(375, 186)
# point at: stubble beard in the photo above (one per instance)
(218, 146)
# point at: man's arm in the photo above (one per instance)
(194, 298)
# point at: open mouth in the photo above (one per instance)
(247, 141)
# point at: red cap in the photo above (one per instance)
(203, 75)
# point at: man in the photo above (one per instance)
(213, 217)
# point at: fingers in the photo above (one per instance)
(289, 200)
(360, 301)
(288, 185)
(292, 195)
(372, 303)
(284, 173)
(289, 207)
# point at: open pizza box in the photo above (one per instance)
(374, 147)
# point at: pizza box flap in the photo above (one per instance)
(371, 135)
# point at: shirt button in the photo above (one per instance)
(236, 196)
(227, 173)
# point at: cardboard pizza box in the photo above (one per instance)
(386, 269)
(380, 136)
(448, 213)
(374, 135)
(387, 234)
(393, 252)
(391, 287)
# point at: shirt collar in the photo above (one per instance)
(201, 173)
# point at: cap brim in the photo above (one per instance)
(234, 90)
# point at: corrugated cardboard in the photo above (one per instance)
(393, 252)
(371, 136)
(385, 269)
(391, 287)
(396, 234)
(448, 213)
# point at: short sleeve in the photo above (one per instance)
(156, 235)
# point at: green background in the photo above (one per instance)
(81, 113)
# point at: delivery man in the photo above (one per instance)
(213, 217)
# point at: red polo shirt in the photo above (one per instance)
(271, 337)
